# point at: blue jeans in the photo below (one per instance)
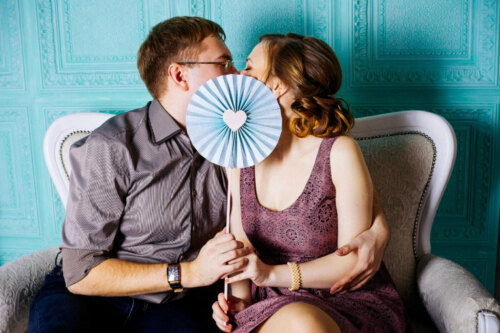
(55, 309)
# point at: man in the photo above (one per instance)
(145, 211)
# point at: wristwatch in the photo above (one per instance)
(174, 277)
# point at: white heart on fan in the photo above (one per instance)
(234, 119)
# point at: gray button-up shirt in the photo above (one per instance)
(139, 192)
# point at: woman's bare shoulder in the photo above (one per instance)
(344, 146)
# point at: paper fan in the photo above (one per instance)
(234, 121)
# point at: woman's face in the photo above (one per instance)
(256, 66)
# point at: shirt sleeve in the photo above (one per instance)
(96, 201)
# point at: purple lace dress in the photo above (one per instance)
(302, 232)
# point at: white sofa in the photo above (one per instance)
(410, 155)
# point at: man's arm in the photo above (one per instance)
(115, 277)
(98, 192)
(370, 246)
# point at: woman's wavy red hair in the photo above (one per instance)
(310, 68)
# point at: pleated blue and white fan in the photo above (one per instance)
(234, 121)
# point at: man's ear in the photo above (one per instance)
(278, 87)
(177, 74)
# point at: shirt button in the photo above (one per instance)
(194, 193)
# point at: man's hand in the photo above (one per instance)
(370, 246)
(222, 307)
(219, 257)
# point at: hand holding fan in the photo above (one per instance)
(233, 121)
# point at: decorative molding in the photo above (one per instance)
(159, 11)
(18, 204)
(69, 55)
(454, 206)
(475, 162)
(197, 8)
(322, 20)
(7, 195)
(482, 268)
(279, 17)
(432, 24)
(58, 71)
(482, 70)
(11, 53)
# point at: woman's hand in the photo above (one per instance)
(254, 270)
(220, 309)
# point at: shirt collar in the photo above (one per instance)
(163, 126)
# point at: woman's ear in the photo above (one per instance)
(278, 87)
(177, 74)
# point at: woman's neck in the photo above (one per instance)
(291, 146)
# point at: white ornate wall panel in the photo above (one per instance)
(66, 56)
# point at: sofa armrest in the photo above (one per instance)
(454, 298)
(20, 281)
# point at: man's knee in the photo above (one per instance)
(55, 309)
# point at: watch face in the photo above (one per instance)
(174, 277)
(173, 273)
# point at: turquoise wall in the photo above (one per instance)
(59, 57)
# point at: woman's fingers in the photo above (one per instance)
(218, 313)
(223, 304)
(222, 327)
(220, 318)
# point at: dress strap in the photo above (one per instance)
(322, 165)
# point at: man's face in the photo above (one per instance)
(213, 49)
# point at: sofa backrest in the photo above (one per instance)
(410, 156)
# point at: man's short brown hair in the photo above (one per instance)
(169, 41)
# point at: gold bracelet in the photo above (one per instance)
(296, 278)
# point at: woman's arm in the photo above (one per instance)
(354, 198)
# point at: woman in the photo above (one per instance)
(312, 194)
